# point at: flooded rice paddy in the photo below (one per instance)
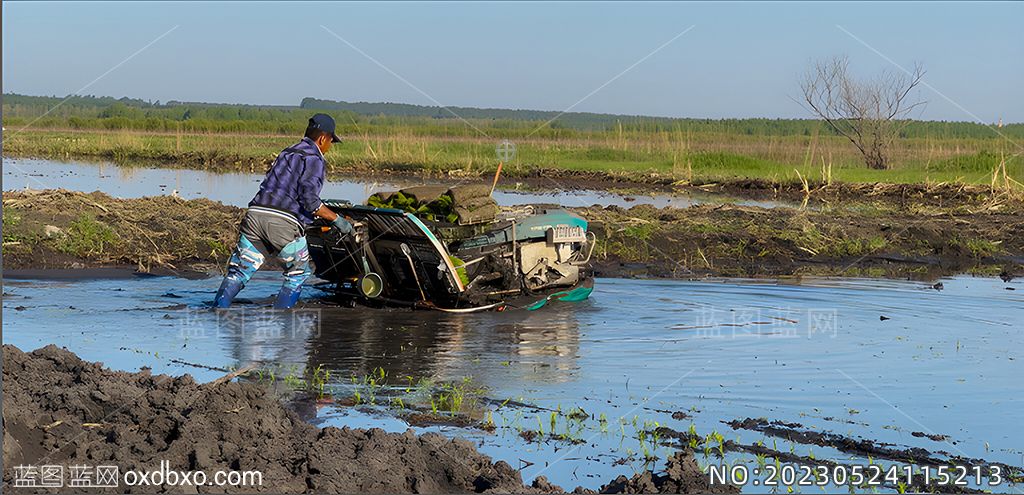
(580, 392)
(851, 371)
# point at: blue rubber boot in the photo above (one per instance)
(287, 298)
(245, 261)
(295, 256)
(229, 288)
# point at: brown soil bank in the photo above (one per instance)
(60, 410)
(64, 229)
(67, 229)
(724, 240)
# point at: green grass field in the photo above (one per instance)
(703, 159)
(240, 137)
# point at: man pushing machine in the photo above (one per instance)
(274, 224)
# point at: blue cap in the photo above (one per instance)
(325, 123)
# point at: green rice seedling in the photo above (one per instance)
(721, 444)
(318, 380)
(656, 435)
(294, 382)
(577, 413)
(643, 450)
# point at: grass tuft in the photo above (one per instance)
(87, 236)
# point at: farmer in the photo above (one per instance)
(274, 224)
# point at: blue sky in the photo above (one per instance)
(738, 60)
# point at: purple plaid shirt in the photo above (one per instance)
(293, 183)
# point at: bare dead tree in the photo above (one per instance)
(869, 113)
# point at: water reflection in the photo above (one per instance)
(265, 337)
(237, 188)
(432, 345)
(409, 344)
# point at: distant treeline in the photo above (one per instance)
(103, 112)
(610, 122)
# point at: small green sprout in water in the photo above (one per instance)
(694, 438)
(318, 380)
(656, 435)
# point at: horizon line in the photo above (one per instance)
(641, 116)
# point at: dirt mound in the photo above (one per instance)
(727, 240)
(67, 229)
(61, 410)
(682, 475)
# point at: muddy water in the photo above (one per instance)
(818, 353)
(238, 188)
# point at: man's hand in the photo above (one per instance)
(344, 227)
(338, 222)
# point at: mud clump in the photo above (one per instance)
(682, 475)
(61, 410)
